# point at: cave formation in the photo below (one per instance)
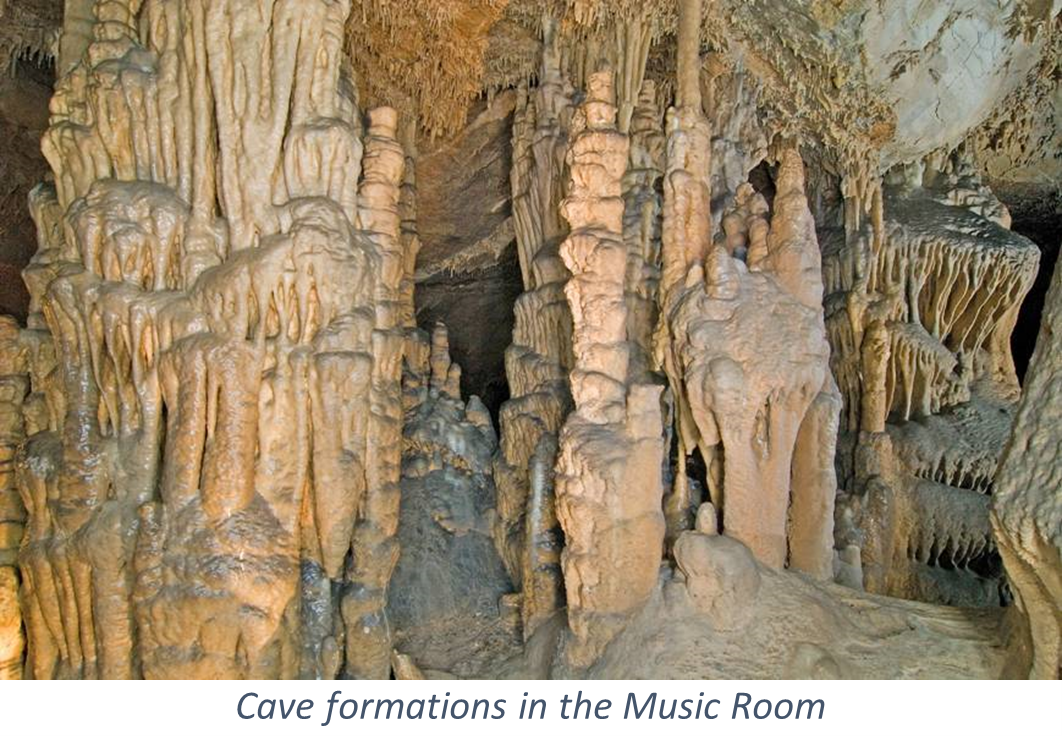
(531, 338)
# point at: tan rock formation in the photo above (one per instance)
(609, 483)
(641, 229)
(14, 388)
(538, 361)
(1026, 503)
(263, 340)
(919, 311)
(746, 411)
(756, 406)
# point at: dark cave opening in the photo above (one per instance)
(38, 69)
(1036, 214)
(24, 95)
(477, 308)
(762, 180)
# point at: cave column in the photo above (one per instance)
(375, 551)
(685, 242)
(608, 481)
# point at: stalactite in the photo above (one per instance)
(537, 362)
(916, 299)
(265, 345)
(633, 37)
(407, 204)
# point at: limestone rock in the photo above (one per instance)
(609, 486)
(1026, 503)
(447, 587)
(721, 577)
(917, 306)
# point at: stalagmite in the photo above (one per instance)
(375, 549)
(814, 489)
(721, 301)
(544, 541)
(611, 448)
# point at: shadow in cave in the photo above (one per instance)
(24, 94)
(1038, 216)
(477, 308)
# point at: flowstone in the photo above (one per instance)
(216, 491)
(920, 308)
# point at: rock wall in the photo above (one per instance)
(25, 88)
(1026, 509)
(920, 310)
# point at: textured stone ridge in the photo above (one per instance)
(1026, 504)
(219, 496)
